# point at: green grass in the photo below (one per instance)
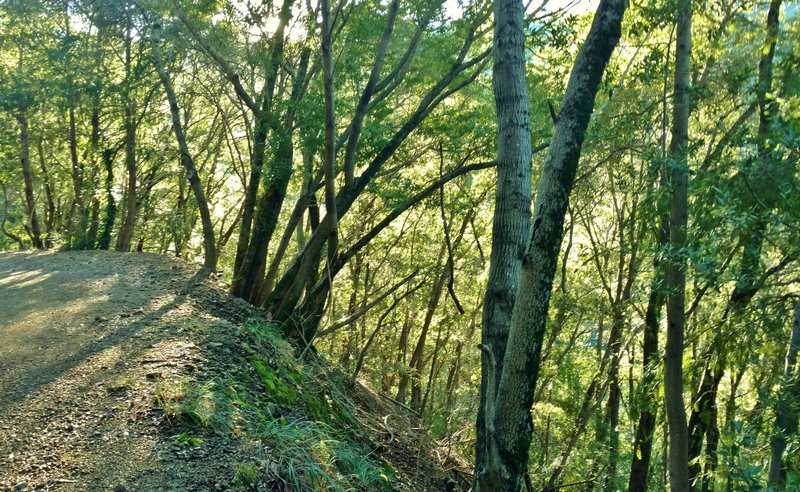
(245, 474)
(184, 402)
(291, 422)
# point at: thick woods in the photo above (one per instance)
(365, 173)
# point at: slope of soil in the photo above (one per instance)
(101, 352)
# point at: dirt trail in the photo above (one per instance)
(83, 338)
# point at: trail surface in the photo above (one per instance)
(89, 343)
(84, 338)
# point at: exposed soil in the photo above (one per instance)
(84, 336)
(85, 339)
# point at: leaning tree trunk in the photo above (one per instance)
(507, 416)
(256, 230)
(676, 266)
(209, 243)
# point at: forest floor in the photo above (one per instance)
(101, 352)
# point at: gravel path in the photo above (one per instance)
(85, 337)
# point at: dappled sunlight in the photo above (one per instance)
(23, 279)
(81, 353)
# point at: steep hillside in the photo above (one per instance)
(136, 372)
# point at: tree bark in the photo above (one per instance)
(271, 201)
(78, 213)
(676, 266)
(125, 234)
(50, 211)
(786, 413)
(643, 441)
(508, 433)
(511, 219)
(27, 177)
(260, 215)
(104, 242)
(209, 242)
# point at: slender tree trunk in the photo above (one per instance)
(613, 402)
(94, 224)
(415, 364)
(704, 415)
(209, 242)
(283, 303)
(50, 211)
(786, 413)
(507, 416)
(329, 161)
(78, 212)
(643, 442)
(27, 177)
(676, 266)
(125, 234)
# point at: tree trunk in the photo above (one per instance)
(50, 211)
(256, 230)
(613, 402)
(676, 266)
(129, 221)
(643, 442)
(209, 243)
(507, 416)
(78, 213)
(786, 413)
(27, 176)
(271, 202)
(511, 219)
(284, 300)
(329, 160)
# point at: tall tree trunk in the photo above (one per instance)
(643, 441)
(271, 201)
(78, 212)
(50, 211)
(209, 242)
(260, 215)
(511, 219)
(507, 415)
(27, 177)
(676, 266)
(613, 402)
(329, 160)
(786, 413)
(125, 234)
